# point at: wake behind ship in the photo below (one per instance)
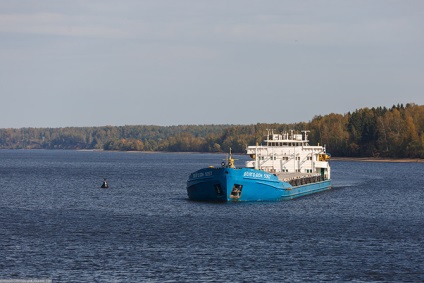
(284, 168)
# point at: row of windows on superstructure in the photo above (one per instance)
(286, 158)
(285, 143)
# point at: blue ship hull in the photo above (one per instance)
(245, 184)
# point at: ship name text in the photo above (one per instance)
(202, 174)
(257, 175)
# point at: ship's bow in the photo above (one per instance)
(207, 184)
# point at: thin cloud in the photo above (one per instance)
(56, 24)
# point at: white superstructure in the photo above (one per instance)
(289, 153)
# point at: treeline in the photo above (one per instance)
(377, 132)
(395, 132)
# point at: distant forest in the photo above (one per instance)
(395, 132)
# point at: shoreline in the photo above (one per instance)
(378, 159)
(333, 158)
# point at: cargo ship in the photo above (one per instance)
(284, 167)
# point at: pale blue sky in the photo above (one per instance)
(173, 62)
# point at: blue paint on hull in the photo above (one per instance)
(245, 184)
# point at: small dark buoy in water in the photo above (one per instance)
(104, 185)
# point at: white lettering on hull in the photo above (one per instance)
(257, 175)
(202, 174)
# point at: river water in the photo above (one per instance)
(57, 223)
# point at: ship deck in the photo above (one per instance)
(298, 178)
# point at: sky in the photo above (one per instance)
(177, 62)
